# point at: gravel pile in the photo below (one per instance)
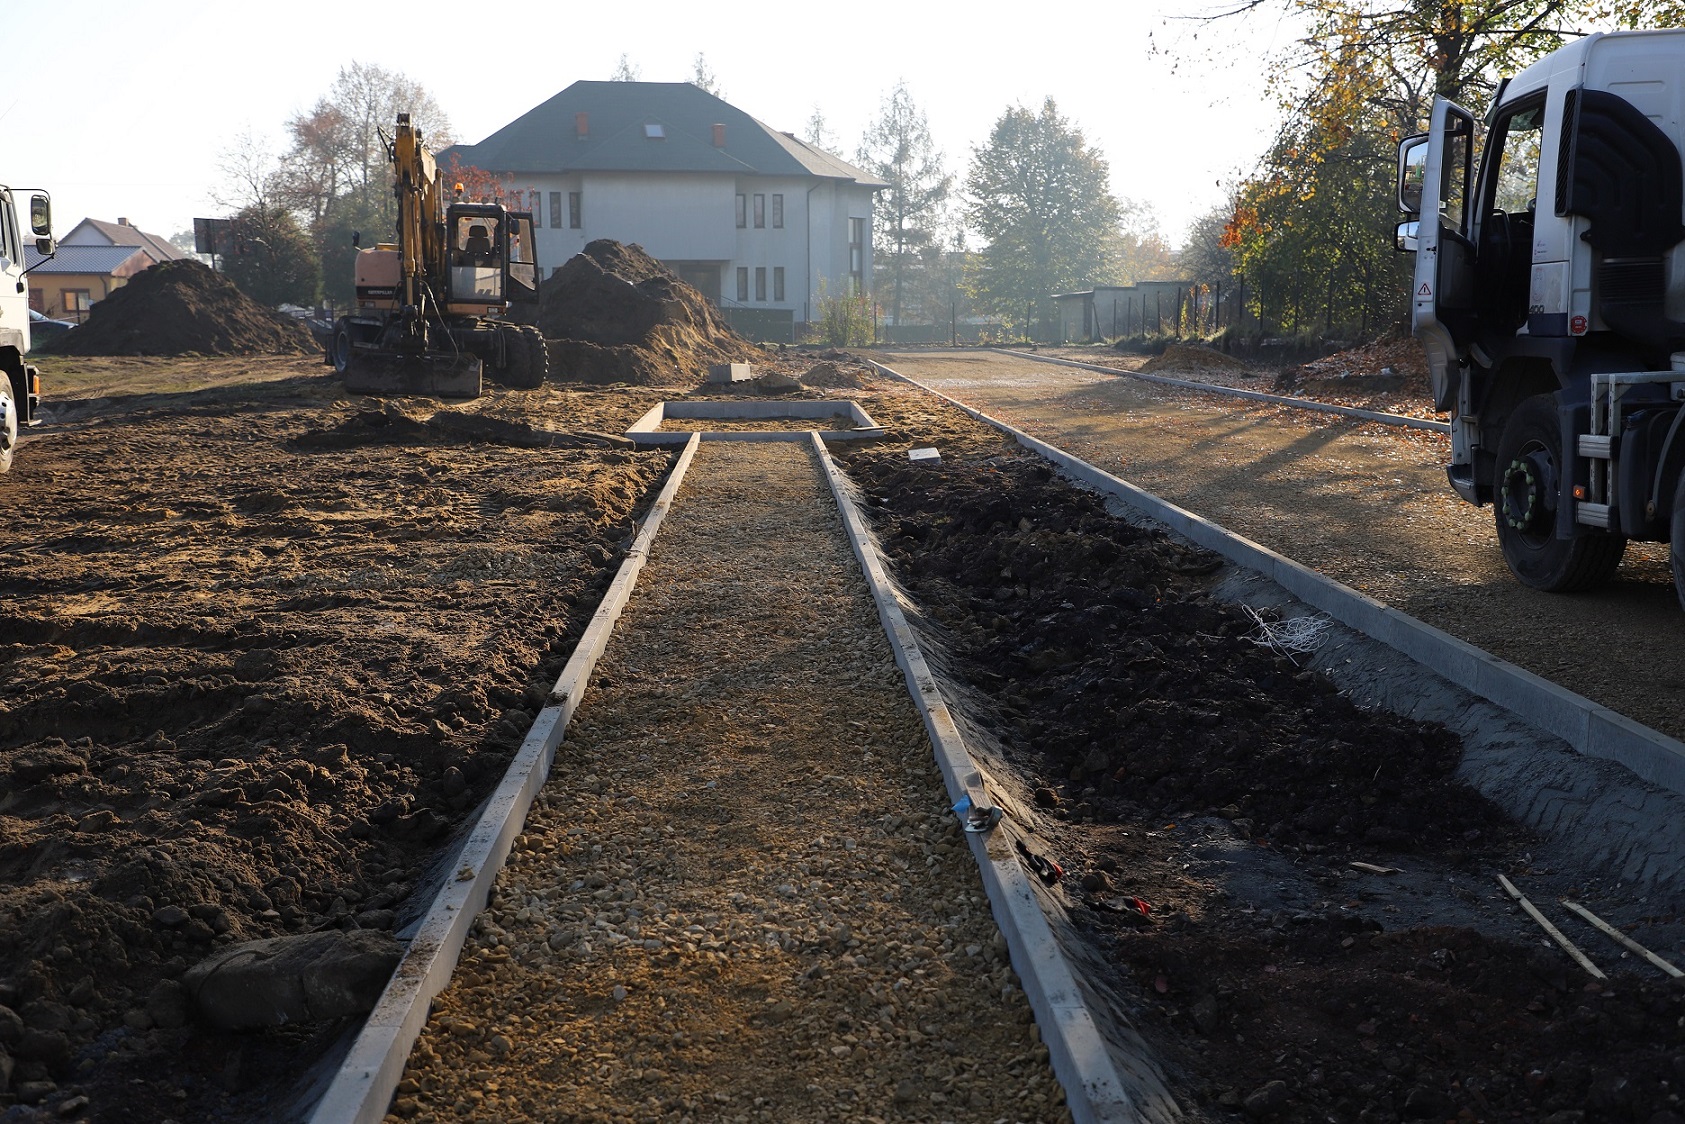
(741, 896)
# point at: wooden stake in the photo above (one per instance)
(1567, 945)
(1623, 939)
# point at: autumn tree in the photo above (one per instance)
(908, 214)
(1038, 195)
(271, 259)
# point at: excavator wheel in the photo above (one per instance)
(1525, 493)
(524, 364)
(540, 353)
(339, 347)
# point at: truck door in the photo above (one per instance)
(1434, 176)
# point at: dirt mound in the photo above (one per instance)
(615, 314)
(1397, 365)
(1187, 357)
(183, 307)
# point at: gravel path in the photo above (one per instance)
(741, 896)
(1365, 504)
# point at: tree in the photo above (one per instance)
(704, 78)
(817, 133)
(908, 214)
(270, 258)
(1038, 195)
(624, 71)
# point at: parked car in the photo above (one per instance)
(43, 328)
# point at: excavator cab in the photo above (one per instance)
(477, 237)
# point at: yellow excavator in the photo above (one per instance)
(436, 308)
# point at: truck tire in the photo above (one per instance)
(1524, 495)
(1676, 541)
(540, 354)
(524, 364)
(8, 423)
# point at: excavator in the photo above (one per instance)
(436, 308)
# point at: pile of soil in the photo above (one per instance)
(184, 307)
(1188, 357)
(613, 314)
(1188, 753)
(1384, 365)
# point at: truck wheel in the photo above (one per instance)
(8, 423)
(339, 348)
(1525, 492)
(540, 354)
(1676, 541)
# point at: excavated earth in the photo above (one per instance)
(183, 307)
(263, 649)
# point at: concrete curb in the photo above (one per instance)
(362, 1087)
(1094, 1090)
(647, 429)
(1590, 728)
(1237, 392)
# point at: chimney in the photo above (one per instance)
(719, 136)
(125, 222)
(582, 125)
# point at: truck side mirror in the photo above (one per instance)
(41, 224)
(1412, 171)
(1404, 236)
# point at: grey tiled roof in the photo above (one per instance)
(544, 140)
(121, 234)
(84, 259)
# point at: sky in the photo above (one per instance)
(127, 108)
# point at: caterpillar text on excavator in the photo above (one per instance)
(434, 309)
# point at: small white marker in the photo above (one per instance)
(920, 455)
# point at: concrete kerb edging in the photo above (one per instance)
(647, 429)
(362, 1087)
(1592, 729)
(1254, 395)
(1093, 1089)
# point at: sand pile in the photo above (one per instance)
(615, 314)
(184, 308)
(1186, 357)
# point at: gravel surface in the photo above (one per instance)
(741, 896)
(1366, 504)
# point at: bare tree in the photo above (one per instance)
(818, 134)
(624, 71)
(705, 78)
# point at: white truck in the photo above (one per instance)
(20, 389)
(1549, 292)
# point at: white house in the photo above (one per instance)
(759, 221)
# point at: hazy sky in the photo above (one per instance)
(126, 108)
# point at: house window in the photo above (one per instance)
(76, 302)
(555, 208)
(777, 280)
(760, 211)
(857, 248)
(760, 282)
(778, 212)
(742, 280)
(654, 131)
(576, 209)
(742, 211)
(36, 299)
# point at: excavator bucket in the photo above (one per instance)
(391, 372)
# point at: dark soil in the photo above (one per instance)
(183, 307)
(615, 314)
(258, 665)
(1152, 720)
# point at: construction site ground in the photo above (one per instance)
(264, 647)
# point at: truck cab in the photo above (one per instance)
(1549, 294)
(20, 383)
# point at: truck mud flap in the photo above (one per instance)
(440, 376)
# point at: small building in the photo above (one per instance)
(1110, 311)
(759, 221)
(93, 259)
